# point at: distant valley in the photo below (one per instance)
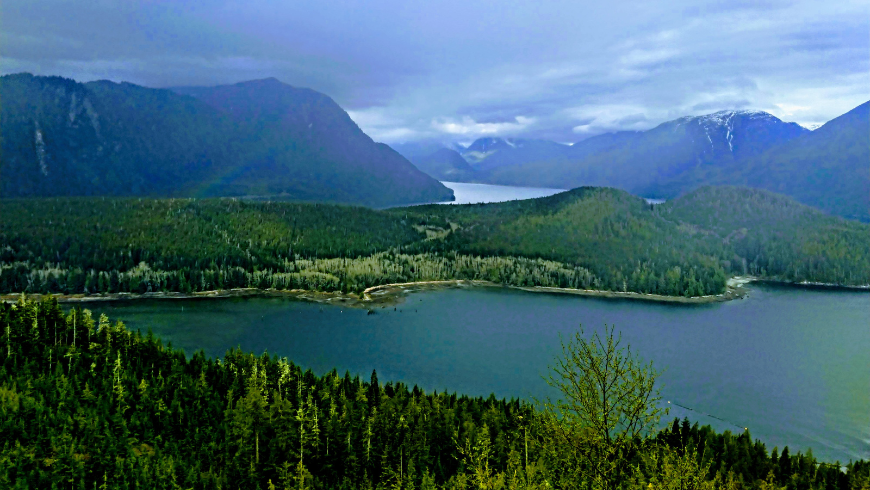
(825, 168)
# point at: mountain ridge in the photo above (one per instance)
(822, 168)
(63, 137)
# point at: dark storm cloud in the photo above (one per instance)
(458, 69)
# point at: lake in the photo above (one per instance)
(791, 364)
(481, 193)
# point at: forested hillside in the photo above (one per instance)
(85, 403)
(776, 236)
(63, 138)
(615, 235)
(588, 238)
(688, 244)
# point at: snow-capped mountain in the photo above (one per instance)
(649, 162)
(825, 168)
(740, 133)
(488, 153)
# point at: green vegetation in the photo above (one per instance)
(610, 404)
(588, 238)
(777, 237)
(85, 403)
(687, 246)
(617, 237)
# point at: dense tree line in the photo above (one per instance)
(86, 403)
(770, 235)
(613, 234)
(585, 238)
(687, 246)
(338, 274)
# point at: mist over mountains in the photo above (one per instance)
(825, 168)
(258, 138)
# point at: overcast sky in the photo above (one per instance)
(455, 70)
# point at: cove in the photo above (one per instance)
(791, 364)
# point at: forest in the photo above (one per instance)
(86, 403)
(587, 238)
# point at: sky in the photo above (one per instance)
(456, 70)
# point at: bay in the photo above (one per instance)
(792, 365)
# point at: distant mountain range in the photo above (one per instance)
(489, 154)
(446, 165)
(828, 168)
(258, 138)
(264, 138)
(825, 168)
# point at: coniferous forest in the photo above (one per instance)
(587, 238)
(86, 403)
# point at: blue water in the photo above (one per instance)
(482, 193)
(792, 365)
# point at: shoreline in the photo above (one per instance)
(302, 294)
(392, 294)
(731, 293)
(740, 281)
(382, 295)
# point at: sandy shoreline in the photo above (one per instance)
(391, 294)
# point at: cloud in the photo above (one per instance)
(596, 119)
(469, 127)
(406, 71)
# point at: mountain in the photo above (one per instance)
(446, 164)
(65, 138)
(259, 138)
(416, 150)
(642, 162)
(487, 154)
(826, 168)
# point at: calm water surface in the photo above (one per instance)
(481, 193)
(793, 365)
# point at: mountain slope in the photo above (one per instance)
(446, 164)
(827, 168)
(65, 138)
(641, 162)
(299, 136)
(486, 154)
(61, 137)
